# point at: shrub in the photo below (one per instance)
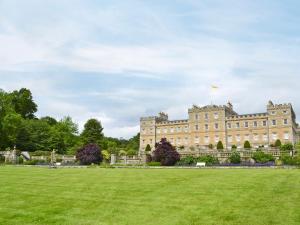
(220, 145)
(210, 146)
(89, 154)
(2, 158)
(187, 161)
(277, 143)
(261, 157)
(153, 164)
(208, 159)
(165, 153)
(289, 160)
(40, 153)
(35, 162)
(148, 158)
(247, 145)
(233, 147)
(235, 157)
(287, 147)
(20, 160)
(148, 148)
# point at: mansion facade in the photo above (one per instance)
(210, 124)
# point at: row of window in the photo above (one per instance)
(216, 126)
(206, 116)
(172, 129)
(238, 138)
(255, 123)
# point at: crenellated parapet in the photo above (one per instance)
(248, 116)
(177, 122)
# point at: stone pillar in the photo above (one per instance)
(53, 157)
(113, 159)
(14, 156)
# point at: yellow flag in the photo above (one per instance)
(214, 87)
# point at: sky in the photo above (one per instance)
(119, 60)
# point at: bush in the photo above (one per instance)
(89, 154)
(208, 159)
(2, 159)
(220, 145)
(261, 157)
(35, 162)
(40, 153)
(233, 147)
(187, 161)
(153, 164)
(20, 160)
(148, 148)
(247, 145)
(148, 158)
(210, 146)
(289, 160)
(287, 147)
(235, 157)
(165, 153)
(277, 143)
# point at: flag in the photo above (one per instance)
(214, 87)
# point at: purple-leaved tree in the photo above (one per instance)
(165, 153)
(89, 154)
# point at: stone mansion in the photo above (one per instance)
(211, 124)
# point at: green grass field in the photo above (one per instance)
(149, 196)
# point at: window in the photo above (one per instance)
(229, 125)
(196, 127)
(217, 138)
(285, 121)
(273, 113)
(237, 125)
(143, 141)
(286, 136)
(247, 137)
(206, 139)
(150, 141)
(238, 137)
(216, 126)
(216, 115)
(206, 126)
(196, 116)
(265, 137)
(206, 116)
(229, 138)
(172, 140)
(255, 137)
(246, 124)
(151, 130)
(186, 129)
(178, 129)
(196, 140)
(165, 130)
(255, 123)
(274, 136)
(158, 131)
(264, 123)
(284, 112)
(179, 140)
(144, 131)
(172, 130)
(186, 140)
(274, 122)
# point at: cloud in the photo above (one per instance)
(119, 60)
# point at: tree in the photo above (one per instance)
(277, 143)
(165, 153)
(23, 103)
(10, 127)
(148, 149)
(233, 147)
(220, 145)
(247, 145)
(235, 157)
(92, 133)
(210, 146)
(50, 120)
(89, 154)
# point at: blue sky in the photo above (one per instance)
(119, 60)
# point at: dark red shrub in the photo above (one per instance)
(165, 153)
(89, 154)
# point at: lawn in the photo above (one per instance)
(149, 196)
